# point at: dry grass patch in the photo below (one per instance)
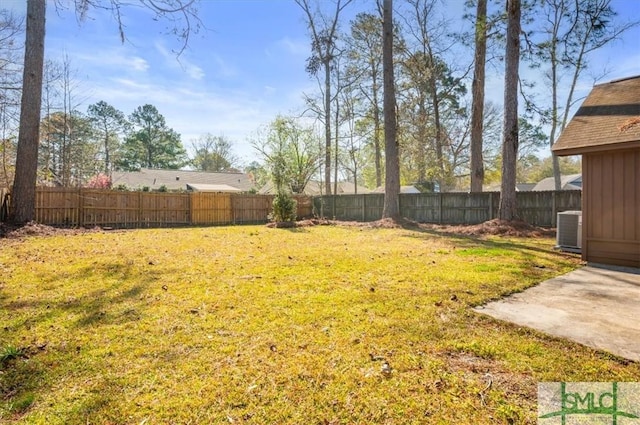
(325, 324)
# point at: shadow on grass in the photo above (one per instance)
(296, 229)
(532, 257)
(19, 383)
(23, 378)
(93, 307)
(475, 241)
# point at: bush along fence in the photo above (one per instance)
(71, 207)
(537, 208)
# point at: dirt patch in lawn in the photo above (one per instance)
(495, 375)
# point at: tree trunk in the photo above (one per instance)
(24, 185)
(507, 209)
(391, 208)
(421, 144)
(477, 89)
(554, 109)
(435, 101)
(355, 183)
(376, 135)
(327, 125)
(336, 145)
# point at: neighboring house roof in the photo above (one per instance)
(179, 179)
(525, 187)
(316, 188)
(403, 189)
(520, 187)
(608, 119)
(570, 182)
(212, 188)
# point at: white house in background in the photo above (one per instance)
(570, 182)
(316, 188)
(182, 180)
(403, 189)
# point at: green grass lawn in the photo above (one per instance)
(316, 325)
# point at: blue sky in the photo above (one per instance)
(238, 74)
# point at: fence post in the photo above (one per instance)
(490, 206)
(553, 209)
(190, 207)
(334, 205)
(80, 208)
(440, 206)
(140, 209)
(364, 208)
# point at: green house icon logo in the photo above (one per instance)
(588, 403)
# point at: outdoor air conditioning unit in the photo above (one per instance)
(569, 232)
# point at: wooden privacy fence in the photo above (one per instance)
(537, 208)
(91, 207)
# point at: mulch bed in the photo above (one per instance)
(514, 228)
(11, 231)
(497, 227)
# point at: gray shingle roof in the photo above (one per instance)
(178, 179)
(606, 120)
(568, 182)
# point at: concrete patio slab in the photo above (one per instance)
(598, 306)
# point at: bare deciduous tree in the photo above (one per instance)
(11, 28)
(290, 152)
(324, 48)
(213, 154)
(569, 32)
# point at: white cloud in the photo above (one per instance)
(139, 64)
(115, 58)
(195, 72)
(193, 111)
(192, 70)
(299, 47)
(223, 68)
